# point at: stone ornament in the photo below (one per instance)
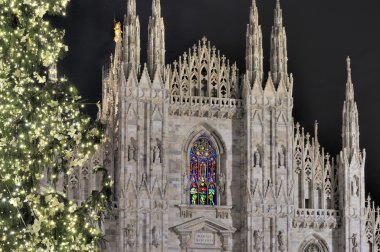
(131, 235)
(85, 172)
(185, 241)
(257, 158)
(144, 177)
(155, 237)
(258, 239)
(74, 181)
(281, 241)
(156, 154)
(131, 153)
(355, 186)
(281, 158)
(185, 182)
(222, 182)
(355, 244)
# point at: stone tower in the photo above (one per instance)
(206, 159)
(269, 139)
(351, 173)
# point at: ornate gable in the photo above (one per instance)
(204, 84)
(204, 72)
(204, 232)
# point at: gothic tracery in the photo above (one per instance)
(204, 72)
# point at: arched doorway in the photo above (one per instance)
(314, 244)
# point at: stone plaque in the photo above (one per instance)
(204, 238)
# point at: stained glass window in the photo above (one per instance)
(203, 168)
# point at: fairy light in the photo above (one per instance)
(42, 127)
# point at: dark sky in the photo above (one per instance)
(320, 35)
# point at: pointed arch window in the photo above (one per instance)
(203, 171)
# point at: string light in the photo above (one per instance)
(42, 129)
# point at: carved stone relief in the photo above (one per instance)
(157, 154)
(258, 239)
(257, 158)
(130, 232)
(281, 157)
(155, 237)
(132, 149)
(355, 244)
(204, 233)
(281, 241)
(355, 186)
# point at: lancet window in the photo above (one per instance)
(203, 167)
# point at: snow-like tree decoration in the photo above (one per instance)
(43, 138)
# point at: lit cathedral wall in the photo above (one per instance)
(223, 140)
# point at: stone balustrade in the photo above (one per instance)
(200, 106)
(316, 218)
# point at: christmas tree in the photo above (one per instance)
(42, 133)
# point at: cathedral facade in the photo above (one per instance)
(205, 158)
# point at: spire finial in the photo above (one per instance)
(156, 8)
(348, 60)
(131, 7)
(204, 40)
(254, 5)
(350, 126)
(316, 130)
(254, 16)
(278, 14)
(349, 86)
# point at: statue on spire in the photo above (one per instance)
(118, 32)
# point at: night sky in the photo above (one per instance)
(321, 34)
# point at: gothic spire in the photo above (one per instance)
(350, 126)
(349, 84)
(253, 15)
(131, 45)
(156, 8)
(254, 48)
(316, 140)
(278, 14)
(131, 8)
(156, 39)
(278, 57)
